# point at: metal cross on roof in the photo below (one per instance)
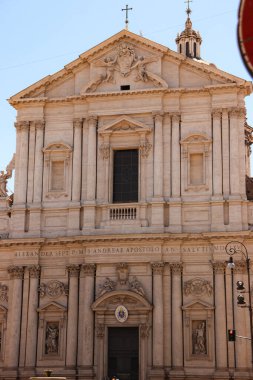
(127, 9)
(188, 10)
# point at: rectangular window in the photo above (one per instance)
(196, 169)
(57, 175)
(125, 176)
(125, 87)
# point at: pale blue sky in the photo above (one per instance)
(39, 37)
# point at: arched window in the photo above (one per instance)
(187, 49)
(180, 48)
(195, 49)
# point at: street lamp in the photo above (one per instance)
(231, 249)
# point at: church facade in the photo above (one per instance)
(130, 172)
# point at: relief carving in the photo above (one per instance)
(144, 330)
(3, 293)
(122, 283)
(104, 150)
(145, 148)
(53, 289)
(125, 61)
(198, 287)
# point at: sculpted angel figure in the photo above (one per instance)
(3, 182)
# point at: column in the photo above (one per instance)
(225, 153)
(76, 175)
(32, 317)
(31, 163)
(17, 164)
(167, 155)
(234, 154)
(23, 167)
(177, 327)
(38, 165)
(167, 316)
(92, 152)
(73, 271)
(158, 315)
(86, 320)
(14, 316)
(175, 157)
(217, 157)
(158, 156)
(220, 315)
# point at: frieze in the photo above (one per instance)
(4, 292)
(53, 289)
(198, 287)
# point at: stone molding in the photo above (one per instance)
(16, 272)
(73, 270)
(34, 271)
(88, 269)
(198, 287)
(158, 267)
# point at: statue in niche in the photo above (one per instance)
(52, 336)
(199, 338)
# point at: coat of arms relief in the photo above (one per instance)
(125, 61)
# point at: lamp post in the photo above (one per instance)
(232, 248)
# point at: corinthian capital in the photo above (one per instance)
(73, 270)
(176, 268)
(16, 272)
(92, 121)
(34, 271)
(89, 269)
(157, 267)
(22, 125)
(78, 122)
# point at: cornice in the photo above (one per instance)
(156, 91)
(133, 238)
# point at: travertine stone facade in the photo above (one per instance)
(75, 264)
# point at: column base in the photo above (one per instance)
(156, 373)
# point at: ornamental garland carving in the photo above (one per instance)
(104, 150)
(124, 62)
(145, 148)
(198, 287)
(123, 283)
(3, 293)
(53, 289)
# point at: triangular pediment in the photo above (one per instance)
(124, 124)
(146, 65)
(198, 305)
(52, 307)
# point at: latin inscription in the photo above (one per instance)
(135, 250)
(123, 250)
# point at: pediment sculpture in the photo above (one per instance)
(125, 61)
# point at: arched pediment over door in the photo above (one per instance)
(138, 311)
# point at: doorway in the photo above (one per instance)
(123, 353)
